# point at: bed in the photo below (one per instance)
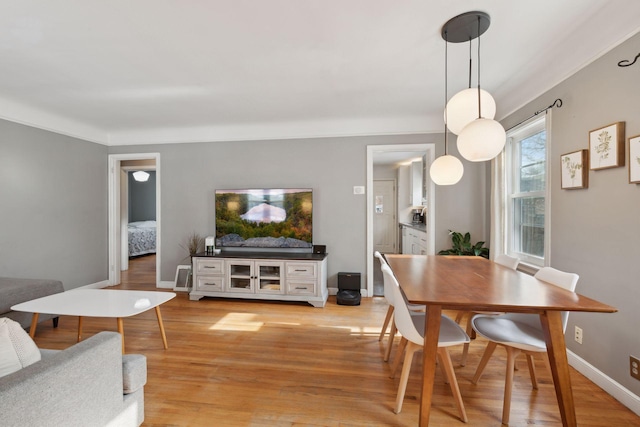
(142, 238)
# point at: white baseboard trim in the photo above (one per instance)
(165, 284)
(615, 389)
(97, 285)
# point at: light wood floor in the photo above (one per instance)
(244, 363)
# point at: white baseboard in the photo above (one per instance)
(615, 389)
(165, 284)
(97, 285)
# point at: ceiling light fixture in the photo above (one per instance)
(141, 176)
(470, 112)
(447, 169)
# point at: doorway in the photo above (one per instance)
(385, 225)
(399, 152)
(119, 164)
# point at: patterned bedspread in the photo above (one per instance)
(142, 238)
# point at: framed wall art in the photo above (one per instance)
(634, 159)
(606, 146)
(575, 170)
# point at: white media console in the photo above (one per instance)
(261, 275)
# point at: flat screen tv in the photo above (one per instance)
(264, 218)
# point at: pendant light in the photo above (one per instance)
(462, 108)
(481, 138)
(447, 169)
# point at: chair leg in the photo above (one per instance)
(465, 348)
(532, 371)
(396, 362)
(404, 377)
(491, 346)
(447, 367)
(386, 322)
(459, 316)
(392, 335)
(55, 322)
(512, 353)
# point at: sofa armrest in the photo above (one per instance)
(134, 372)
(79, 386)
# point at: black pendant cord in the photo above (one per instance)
(446, 83)
(479, 108)
(470, 63)
(557, 103)
(627, 63)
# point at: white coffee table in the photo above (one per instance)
(97, 303)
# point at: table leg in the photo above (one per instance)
(429, 357)
(121, 330)
(79, 328)
(34, 324)
(557, 352)
(164, 337)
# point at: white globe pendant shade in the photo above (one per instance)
(462, 108)
(481, 140)
(446, 170)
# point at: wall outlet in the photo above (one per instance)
(358, 189)
(634, 366)
(578, 335)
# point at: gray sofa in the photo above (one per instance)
(88, 384)
(14, 291)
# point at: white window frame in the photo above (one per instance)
(515, 135)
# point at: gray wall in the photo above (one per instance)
(190, 173)
(53, 206)
(142, 198)
(595, 231)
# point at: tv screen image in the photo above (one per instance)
(264, 218)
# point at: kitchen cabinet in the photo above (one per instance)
(414, 241)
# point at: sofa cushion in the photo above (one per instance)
(14, 291)
(17, 349)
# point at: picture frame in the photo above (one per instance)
(574, 168)
(634, 159)
(183, 278)
(606, 146)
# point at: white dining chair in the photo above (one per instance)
(519, 333)
(389, 319)
(506, 261)
(411, 327)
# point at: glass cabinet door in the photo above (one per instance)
(269, 277)
(241, 276)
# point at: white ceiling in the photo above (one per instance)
(152, 71)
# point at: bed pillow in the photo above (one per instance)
(142, 224)
(17, 349)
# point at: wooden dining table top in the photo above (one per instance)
(475, 283)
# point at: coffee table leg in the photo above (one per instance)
(164, 337)
(79, 328)
(34, 325)
(121, 330)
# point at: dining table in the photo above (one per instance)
(474, 283)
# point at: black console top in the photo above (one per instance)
(304, 256)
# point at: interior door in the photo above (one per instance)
(385, 231)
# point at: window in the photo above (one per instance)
(527, 181)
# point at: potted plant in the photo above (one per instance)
(462, 246)
(195, 244)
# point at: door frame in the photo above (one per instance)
(114, 237)
(427, 149)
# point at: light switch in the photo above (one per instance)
(358, 189)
